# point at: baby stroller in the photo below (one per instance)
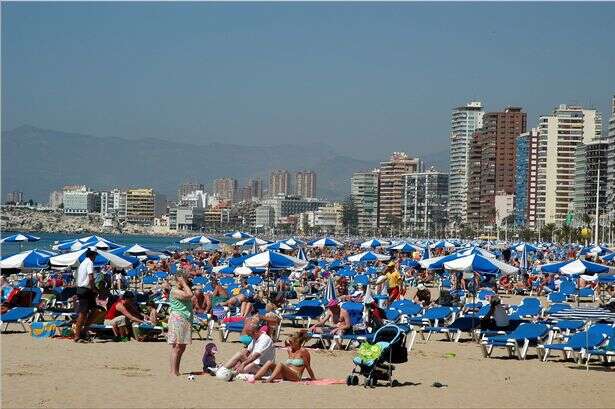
(374, 361)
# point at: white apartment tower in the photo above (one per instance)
(465, 121)
(560, 135)
(611, 164)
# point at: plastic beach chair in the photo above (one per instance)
(518, 340)
(17, 315)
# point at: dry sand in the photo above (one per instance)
(56, 373)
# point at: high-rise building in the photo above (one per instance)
(465, 121)
(141, 206)
(425, 202)
(79, 200)
(286, 205)
(391, 187)
(560, 134)
(611, 165)
(279, 182)
(187, 188)
(113, 204)
(492, 163)
(226, 188)
(14, 197)
(364, 192)
(256, 187)
(526, 179)
(245, 193)
(589, 157)
(56, 199)
(305, 183)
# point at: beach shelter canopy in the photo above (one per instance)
(20, 238)
(278, 245)
(138, 250)
(443, 244)
(199, 240)
(272, 260)
(597, 250)
(301, 254)
(576, 266)
(325, 242)
(237, 235)
(405, 247)
(368, 256)
(31, 259)
(524, 247)
(75, 258)
(476, 250)
(373, 243)
(251, 242)
(479, 264)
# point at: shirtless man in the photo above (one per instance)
(338, 316)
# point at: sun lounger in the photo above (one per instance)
(17, 315)
(594, 337)
(517, 341)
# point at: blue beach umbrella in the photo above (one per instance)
(251, 242)
(479, 264)
(199, 240)
(274, 261)
(237, 235)
(325, 242)
(372, 244)
(277, 246)
(301, 254)
(20, 238)
(426, 253)
(31, 259)
(368, 256)
(608, 257)
(575, 266)
(405, 247)
(329, 293)
(75, 258)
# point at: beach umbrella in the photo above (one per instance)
(411, 263)
(476, 250)
(20, 238)
(576, 266)
(437, 263)
(237, 235)
(372, 244)
(277, 246)
(596, 250)
(243, 271)
(89, 241)
(608, 257)
(368, 256)
(329, 293)
(301, 254)
(75, 258)
(31, 259)
(138, 250)
(325, 242)
(479, 264)
(405, 247)
(426, 253)
(251, 242)
(274, 261)
(294, 242)
(443, 244)
(199, 240)
(524, 247)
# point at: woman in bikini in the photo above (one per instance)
(297, 362)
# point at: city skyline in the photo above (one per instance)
(361, 84)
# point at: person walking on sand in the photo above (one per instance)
(180, 321)
(86, 293)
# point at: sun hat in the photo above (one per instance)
(332, 303)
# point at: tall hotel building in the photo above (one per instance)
(560, 134)
(364, 192)
(611, 164)
(279, 182)
(305, 184)
(526, 179)
(465, 121)
(391, 187)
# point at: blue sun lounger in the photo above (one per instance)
(517, 341)
(595, 337)
(17, 315)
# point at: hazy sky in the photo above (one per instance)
(364, 78)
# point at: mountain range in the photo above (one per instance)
(37, 161)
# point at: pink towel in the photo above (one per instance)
(325, 381)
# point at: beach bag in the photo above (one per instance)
(43, 329)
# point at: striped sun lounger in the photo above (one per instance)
(587, 314)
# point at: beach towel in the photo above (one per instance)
(324, 381)
(43, 329)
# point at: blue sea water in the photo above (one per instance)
(49, 239)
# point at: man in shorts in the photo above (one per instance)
(122, 314)
(86, 293)
(260, 350)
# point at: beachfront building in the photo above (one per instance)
(14, 197)
(492, 163)
(465, 120)
(589, 157)
(264, 216)
(143, 205)
(560, 134)
(56, 199)
(364, 193)
(504, 207)
(195, 198)
(286, 205)
(425, 203)
(226, 189)
(113, 204)
(305, 183)
(79, 200)
(189, 187)
(526, 179)
(279, 182)
(610, 207)
(391, 188)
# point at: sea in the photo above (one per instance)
(49, 239)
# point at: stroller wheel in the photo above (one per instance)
(349, 379)
(355, 380)
(370, 382)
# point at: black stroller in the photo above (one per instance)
(375, 359)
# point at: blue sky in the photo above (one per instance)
(366, 79)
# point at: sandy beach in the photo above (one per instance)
(54, 373)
